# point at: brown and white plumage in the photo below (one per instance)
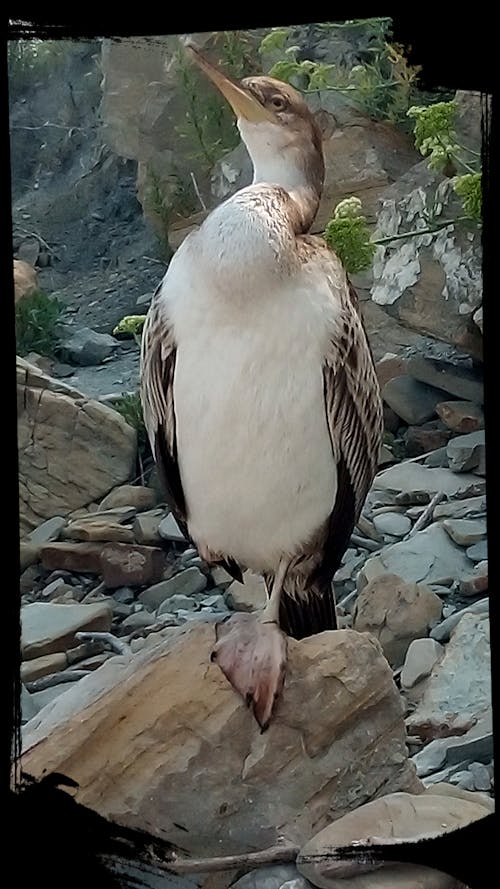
(260, 395)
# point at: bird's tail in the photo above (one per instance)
(311, 613)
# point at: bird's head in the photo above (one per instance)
(280, 132)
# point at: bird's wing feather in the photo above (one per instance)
(354, 416)
(158, 357)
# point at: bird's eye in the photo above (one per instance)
(279, 103)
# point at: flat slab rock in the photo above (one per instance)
(47, 628)
(161, 740)
(408, 477)
(458, 691)
(430, 556)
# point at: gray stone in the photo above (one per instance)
(85, 347)
(476, 744)
(392, 523)
(478, 552)
(189, 553)
(216, 601)
(169, 530)
(442, 631)
(420, 659)
(146, 527)
(54, 588)
(124, 594)
(247, 596)
(177, 603)
(407, 477)
(279, 876)
(139, 620)
(48, 695)
(186, 583)
(463, 382)
(477, 581)
(445, 774)
(458, 691)
(29, 707)
(429, 556)
(470, 507)
(465, 532)
(136, 497)
(481, 776)
(437, 458)
(463, 779)
(47, 531)
(466, 452)
(47, 627)
(221, 577)
(413, 401)
(120, 609)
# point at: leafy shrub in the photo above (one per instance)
(36, 319)
(347, 233)
(130, 407)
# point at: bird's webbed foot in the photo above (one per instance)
(252, 655)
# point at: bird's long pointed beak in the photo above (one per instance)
(243, 103)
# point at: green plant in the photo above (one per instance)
(130, 327)
(130, 407)
(382, 85)
(347, 233)
(36, 319)
(30, 59)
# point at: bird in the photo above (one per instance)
(259, 390)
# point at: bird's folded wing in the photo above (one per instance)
(158, 353)
(355, 420)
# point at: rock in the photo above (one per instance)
(477, 582)
(29, 708)
(459, 687)
(59, 430)
(85, 347)
(437, 458)
(465, 382)
(48, 695)
(28, 251)
(429, 437)
(42, 666)
(99, 530)
(146, 525)
(420, 658)
(177, 603)
(465, 532)
(414, 402)
(478, 552)
(221, 577)
(217, 602)
(186, 583)
(29, 554)
(47, 531)
(25, 279)
(461, 509)
(124, 564)
(480, 775)
(135, 496)
(124, 594)
(339, 697)
(431, 283)
(461, 416)
(429, 556)
(247, 596)
(442, 631)
(396, 613)
(466, 452)
(476, 744)
(139, 620)
(168, 529)
(388, 367)
(85, 557)
(392, 523)
(278, 876)
(48, 628)
(399, 815)
(409, 477)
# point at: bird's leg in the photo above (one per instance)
(251, 652)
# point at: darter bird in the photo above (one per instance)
(259, 391)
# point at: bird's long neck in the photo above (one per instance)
(298, 169)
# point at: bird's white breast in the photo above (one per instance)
(253, 444)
